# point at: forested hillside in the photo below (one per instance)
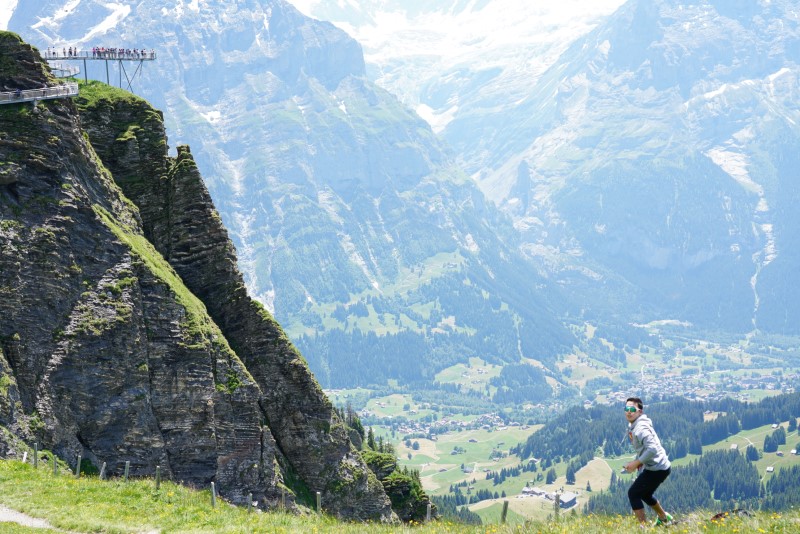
(718, 478)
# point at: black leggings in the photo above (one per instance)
(644, 486)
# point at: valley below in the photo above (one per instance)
(460, 441)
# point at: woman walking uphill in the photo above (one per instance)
(651, 461)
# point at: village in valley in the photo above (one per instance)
(468, 454)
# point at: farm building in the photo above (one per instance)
(568, 499)
(539, 492)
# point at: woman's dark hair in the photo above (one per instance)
(637, 401)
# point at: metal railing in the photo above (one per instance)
(64, 71)
(109, 55)
(124, 55)
(45, 93)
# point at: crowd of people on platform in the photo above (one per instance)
(100, 52)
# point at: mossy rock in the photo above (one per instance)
(409, 500)
(380, 463)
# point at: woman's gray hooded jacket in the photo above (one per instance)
(648, 447)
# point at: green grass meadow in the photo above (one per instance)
(89, 505)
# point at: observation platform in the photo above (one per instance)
(34, 95)
(118, 55)
(102, 55)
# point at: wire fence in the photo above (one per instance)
(49, 457)
(103, 475)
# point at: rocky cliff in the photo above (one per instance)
(354, 227)
(126, 333)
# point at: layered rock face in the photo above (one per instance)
(126, 333)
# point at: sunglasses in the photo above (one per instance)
(631, 409)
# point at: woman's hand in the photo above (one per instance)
(632, 466)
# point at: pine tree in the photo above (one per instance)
(570, 474)
(371, 440)
(551, 475)
(770, 445)
(588, 486)
(780, 436)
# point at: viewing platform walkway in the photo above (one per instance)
(120, 55)
(45, 93)
(64, 71)
(102, 55)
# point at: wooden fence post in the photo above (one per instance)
(158, 477)
(127, 468)
(505, 512)
(249, 502)
(103, 471)
(78, 468)
(428, 514)
(319, 502)
(213, 496)
(36, 455)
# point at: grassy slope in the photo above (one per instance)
(91, 505)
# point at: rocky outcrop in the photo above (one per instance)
(409, 500)
(179, 219)
(121, 348)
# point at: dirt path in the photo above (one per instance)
(7, 515)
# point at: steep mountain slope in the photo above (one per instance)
(353, 225)
(109, 343)
(661, 148)
(650, 167)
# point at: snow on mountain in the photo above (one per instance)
(423, 52)
(7, 8)
(648, 141)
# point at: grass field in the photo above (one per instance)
(582, 369)
(439, 468)
(357, 397)
(755, 395)
(89, 505)
(492, 510)
(474, 376)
